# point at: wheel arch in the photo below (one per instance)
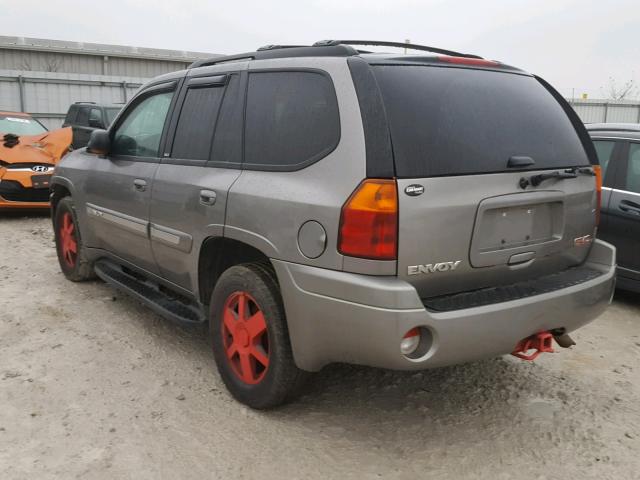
(217, 254)
(60, 188)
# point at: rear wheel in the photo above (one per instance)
(250, 338)
(69, 246)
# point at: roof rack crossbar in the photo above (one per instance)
(377, 43)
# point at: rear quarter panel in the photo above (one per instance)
(267, 209)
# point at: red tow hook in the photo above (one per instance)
(540, 342)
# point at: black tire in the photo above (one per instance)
(75, 266)
(282, 379)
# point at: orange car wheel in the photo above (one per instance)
(71, 254)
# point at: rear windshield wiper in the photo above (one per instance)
(573, 172)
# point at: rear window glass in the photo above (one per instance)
(456, 121)
(291, 119)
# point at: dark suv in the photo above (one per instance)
(321, 204)
(618, 147)
(85, 117)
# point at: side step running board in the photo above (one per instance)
(148, 293)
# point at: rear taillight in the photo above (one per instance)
(481, 62)
(598, 171)
(369, 221)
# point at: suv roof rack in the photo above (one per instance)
(280, 51)
(378, 43)
(323, 48)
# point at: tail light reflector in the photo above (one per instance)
(369, 221)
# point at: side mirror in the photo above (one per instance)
(95, 123)
(99, 142)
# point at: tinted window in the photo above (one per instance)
(633, 168)
(604, 149)
(291, 119)
(71, 114)
(83, 117)
(111, 115)
(197, 122)
(95, 118)
(139, 134)
(227, 143)
(452, 121)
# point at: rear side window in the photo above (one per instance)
(292, 119)
(71, 114)
(197, 122)
(227, 143)
(457, 121)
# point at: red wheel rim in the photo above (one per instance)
(245, 337)
(68, 241)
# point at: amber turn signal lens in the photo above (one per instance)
(369, 221)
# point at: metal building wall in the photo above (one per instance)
(44, 77)
(607, 111)
(88, 64)
(47, 95)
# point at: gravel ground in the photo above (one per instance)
(94, 385)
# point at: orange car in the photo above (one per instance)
(28, 155)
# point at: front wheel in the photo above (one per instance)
(250, 338)
(69, 246)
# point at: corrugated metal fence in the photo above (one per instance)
(607, 111)
(47, 95)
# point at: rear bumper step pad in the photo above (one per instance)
(516, 291)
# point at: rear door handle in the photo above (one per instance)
(629, 207)
(140, 185)
(208, 197)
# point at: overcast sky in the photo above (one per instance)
(575, 44)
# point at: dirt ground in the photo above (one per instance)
(94, 385)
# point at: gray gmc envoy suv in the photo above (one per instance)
(326, 204)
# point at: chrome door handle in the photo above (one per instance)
(208, 197)
(139, 185)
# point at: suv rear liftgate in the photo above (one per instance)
(496, 190)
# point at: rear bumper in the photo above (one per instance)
(344, 317)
